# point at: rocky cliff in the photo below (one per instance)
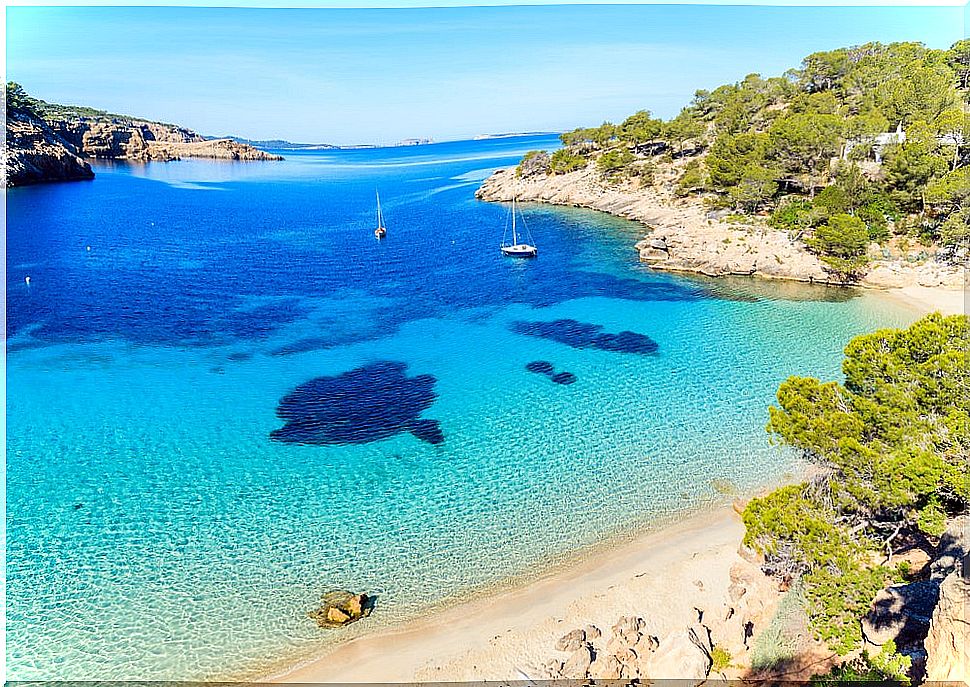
(948, 639)
(683, 236)
(35, 153)
(140, 140)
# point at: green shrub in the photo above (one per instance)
(693, 180)
(720, 659)
(613, 161)
(566, 160)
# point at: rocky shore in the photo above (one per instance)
(35, 153)
(684, 236)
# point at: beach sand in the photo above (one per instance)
(932, 298)
(660, 577)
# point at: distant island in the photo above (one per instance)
(518, 134)
(854, 169)
(50, 142)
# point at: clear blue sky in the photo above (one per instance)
(380, 75)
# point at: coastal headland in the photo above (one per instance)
(49, 142)
(683, 235)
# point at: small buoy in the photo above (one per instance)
(27, 281)
(87, 248)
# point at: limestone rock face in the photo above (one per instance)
(138, 140)
(535, 165)
(571, 641)
(948, 641)
(36, 154)
(577, 665)
(678, 657)
(900, 613)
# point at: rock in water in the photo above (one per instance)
(339, 607)
(429, 431)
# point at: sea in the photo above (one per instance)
(225, 397)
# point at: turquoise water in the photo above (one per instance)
(155, 530)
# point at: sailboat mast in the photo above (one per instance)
(380, 219)
(515, 240)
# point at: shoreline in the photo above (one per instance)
(927, 299)
(509, 633)
(682, 236)
(503, 633)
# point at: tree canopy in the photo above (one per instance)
(891, 445)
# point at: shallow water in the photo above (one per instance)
(157, 530)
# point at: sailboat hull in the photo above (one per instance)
(522, 250)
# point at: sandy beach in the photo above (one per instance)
(660, 577)
(929, 299)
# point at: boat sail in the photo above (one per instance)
(518, 249)
(381, 231)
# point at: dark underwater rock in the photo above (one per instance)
(564, 378)
(542, 367)
(585, 335)
(368, 403)
(429, 431)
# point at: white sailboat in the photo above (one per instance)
(518, 249)
(381, 231)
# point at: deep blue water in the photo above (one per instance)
(224, 397)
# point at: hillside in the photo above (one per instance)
(858, 160)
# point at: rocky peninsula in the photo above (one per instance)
(683, 235)
(142, 141)
(49, 142)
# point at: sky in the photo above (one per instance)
(349, 76)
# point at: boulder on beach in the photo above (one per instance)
(339, 607)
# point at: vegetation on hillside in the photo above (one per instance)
(872, 139)
(891, 446)
(17, 98)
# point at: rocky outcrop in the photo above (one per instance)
(118, 138)
(339, 607)
(947, 641)
(138, 140)
(685, 237)
(220, 149)
(35, 153)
